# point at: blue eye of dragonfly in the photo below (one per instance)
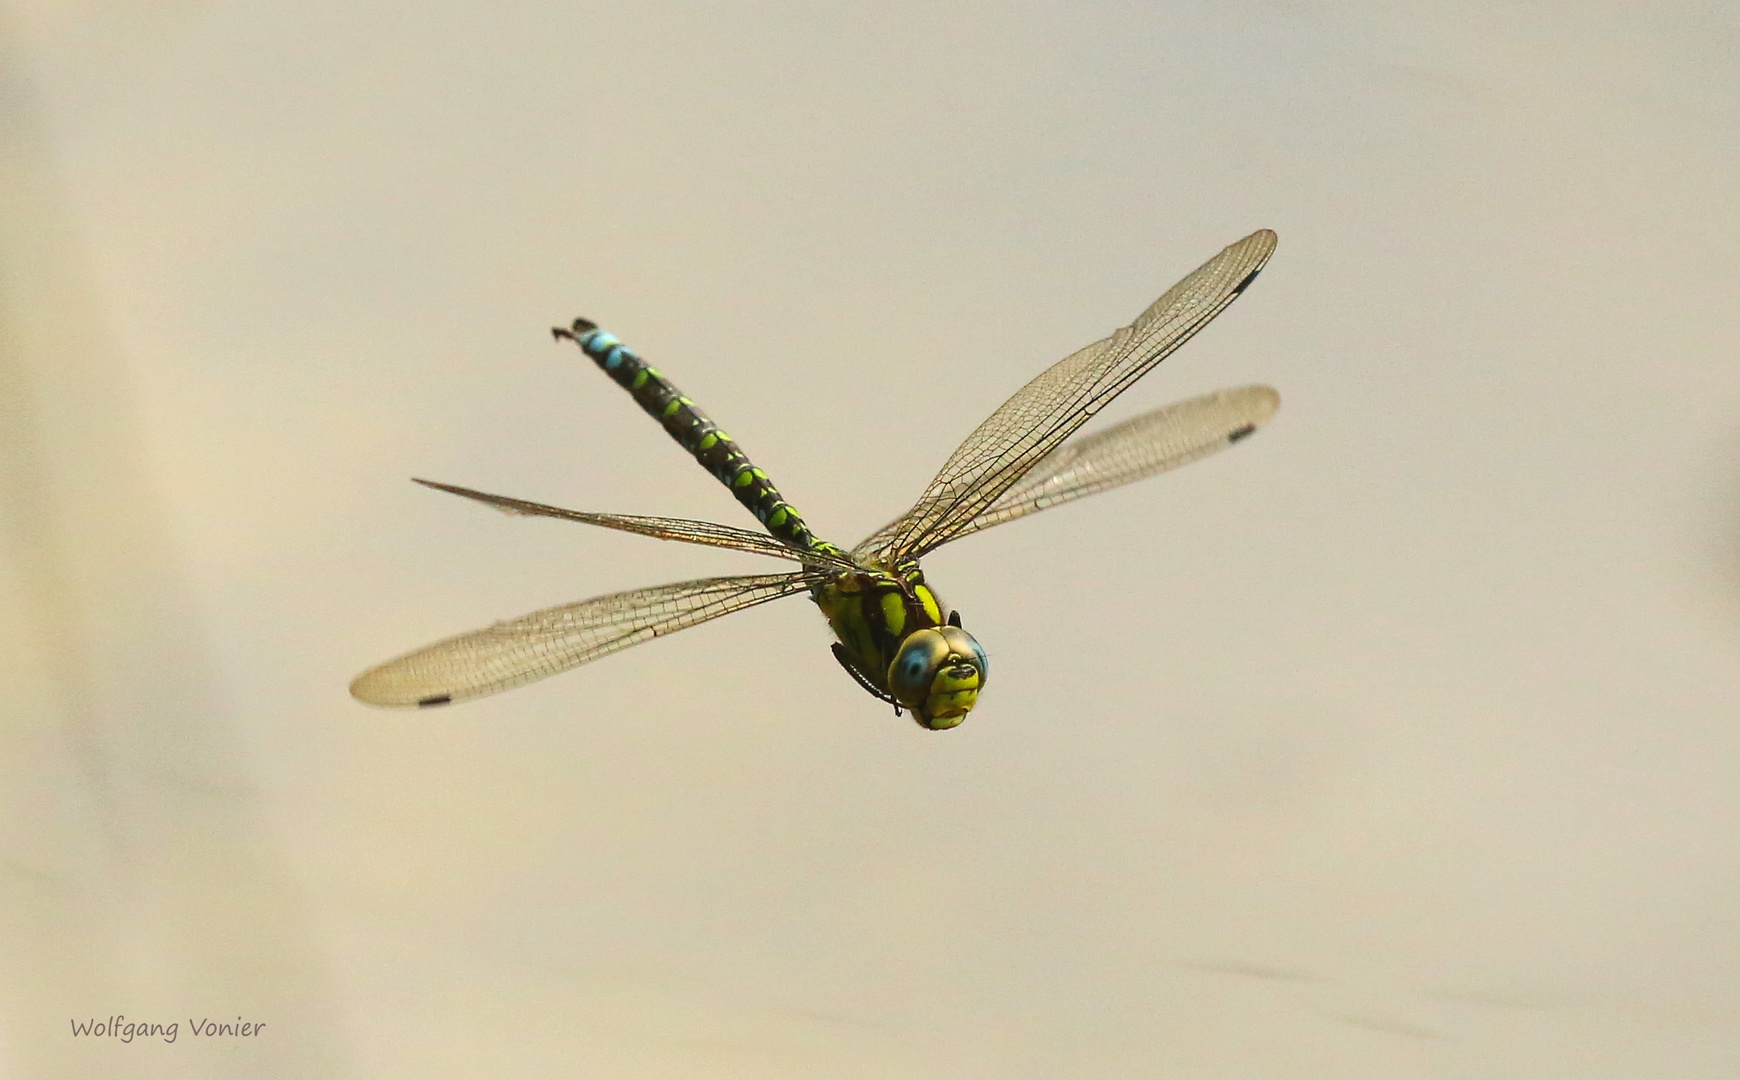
(915, 665)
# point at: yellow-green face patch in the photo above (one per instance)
(943, 722)
(951, 699)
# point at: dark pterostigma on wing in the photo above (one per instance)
(1147, 445)
(544, 643)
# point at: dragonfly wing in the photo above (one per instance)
(541, 644)
(662, 528)
(1045, 412)
(1145, 446)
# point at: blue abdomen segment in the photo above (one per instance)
(717, 452)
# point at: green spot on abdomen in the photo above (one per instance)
(713, 449)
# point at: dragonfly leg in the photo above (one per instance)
(861, 679)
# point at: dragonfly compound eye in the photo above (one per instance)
(938, 675)
(968, 648)
(909, 676)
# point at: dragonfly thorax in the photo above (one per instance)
(899, 643)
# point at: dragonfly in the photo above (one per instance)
(893, 633)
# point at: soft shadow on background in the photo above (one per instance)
(1399, 741)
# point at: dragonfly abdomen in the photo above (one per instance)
(694, 431)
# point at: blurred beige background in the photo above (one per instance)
(1400, 742)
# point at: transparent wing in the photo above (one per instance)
(1145, 446)
(663, 528)
(1049, 409)
(541, 644)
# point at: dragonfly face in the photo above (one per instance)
(938, 674)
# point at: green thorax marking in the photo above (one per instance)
(871, 612)
(684, 421)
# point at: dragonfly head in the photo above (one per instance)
(938, 674)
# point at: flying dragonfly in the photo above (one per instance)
(895, 636)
